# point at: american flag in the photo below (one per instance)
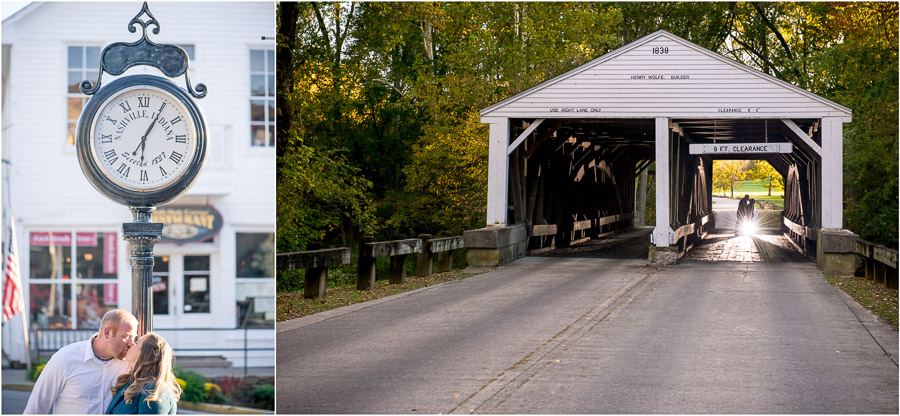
(12, 289)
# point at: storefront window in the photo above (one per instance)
(256, 305)
(196, 284)
(94, 300)
(51, 305)
(48, 258)
(255, 266)
(255, 255)
(161, 285)
(96, 255)
(60, 266)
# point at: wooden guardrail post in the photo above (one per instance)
(397, 272)
(365, 273)
(444, 247)
(444, 261)
(423, 259)
(314, 284)
(316, 262)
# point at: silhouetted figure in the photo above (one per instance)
(742, 211)
(751, 210)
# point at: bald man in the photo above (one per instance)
(77, 378)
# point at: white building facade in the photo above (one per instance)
(214, 278)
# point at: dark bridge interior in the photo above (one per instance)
(575, 182)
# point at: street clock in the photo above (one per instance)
(141, 139)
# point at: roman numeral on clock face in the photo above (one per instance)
(124, 170)
(143, 101)
(180, 138)
(110, 156)
(175, 120)
(125, 106)
(106, 138)
(144, 175)
(176, 157)
(162, 171)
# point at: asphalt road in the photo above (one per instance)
(558, 335)
(14, 401)
(726, 212)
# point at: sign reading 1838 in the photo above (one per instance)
(731, 148)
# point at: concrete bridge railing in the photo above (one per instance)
(837, 252)
(880, 262)
(317, 262)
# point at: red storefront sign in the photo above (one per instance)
(63, 239)
(110, 294)
(109, 253)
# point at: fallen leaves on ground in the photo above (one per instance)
(293, 305)
(873, 296)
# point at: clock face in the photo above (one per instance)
(143, 138)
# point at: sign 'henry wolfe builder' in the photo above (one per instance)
(728, 148)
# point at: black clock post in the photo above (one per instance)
(111, 177)
(142, 235)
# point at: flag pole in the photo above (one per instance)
(21, 298)
(27, 342)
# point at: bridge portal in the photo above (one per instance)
(565, 155)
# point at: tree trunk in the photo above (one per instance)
(287, 33)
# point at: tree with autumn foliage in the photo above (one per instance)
(728, 173)
(761, 171)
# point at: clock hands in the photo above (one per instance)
(143, 143)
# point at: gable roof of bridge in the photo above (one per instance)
(663, 75)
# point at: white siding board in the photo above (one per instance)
(712, 83)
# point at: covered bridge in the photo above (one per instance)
(568, 151)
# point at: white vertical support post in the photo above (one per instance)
(498, 170)
(832, 172)
(662, 233)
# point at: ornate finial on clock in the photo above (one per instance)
(137, 21)
(116, 58)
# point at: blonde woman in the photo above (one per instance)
(149, 386)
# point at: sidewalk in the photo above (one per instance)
(17, 380)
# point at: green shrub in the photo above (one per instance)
(214, 394)
(36, 369)
(194, 385)
(264, 396)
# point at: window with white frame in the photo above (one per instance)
(83, 63)
(262, 97)
(255, 272)
(73, 279)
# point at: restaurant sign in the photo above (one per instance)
(732, 148)
(188, 224)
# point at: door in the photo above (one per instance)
(181, 291)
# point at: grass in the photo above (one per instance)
(871, 295)
(759, 192)
(292, 304)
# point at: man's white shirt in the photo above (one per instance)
(75, 381)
